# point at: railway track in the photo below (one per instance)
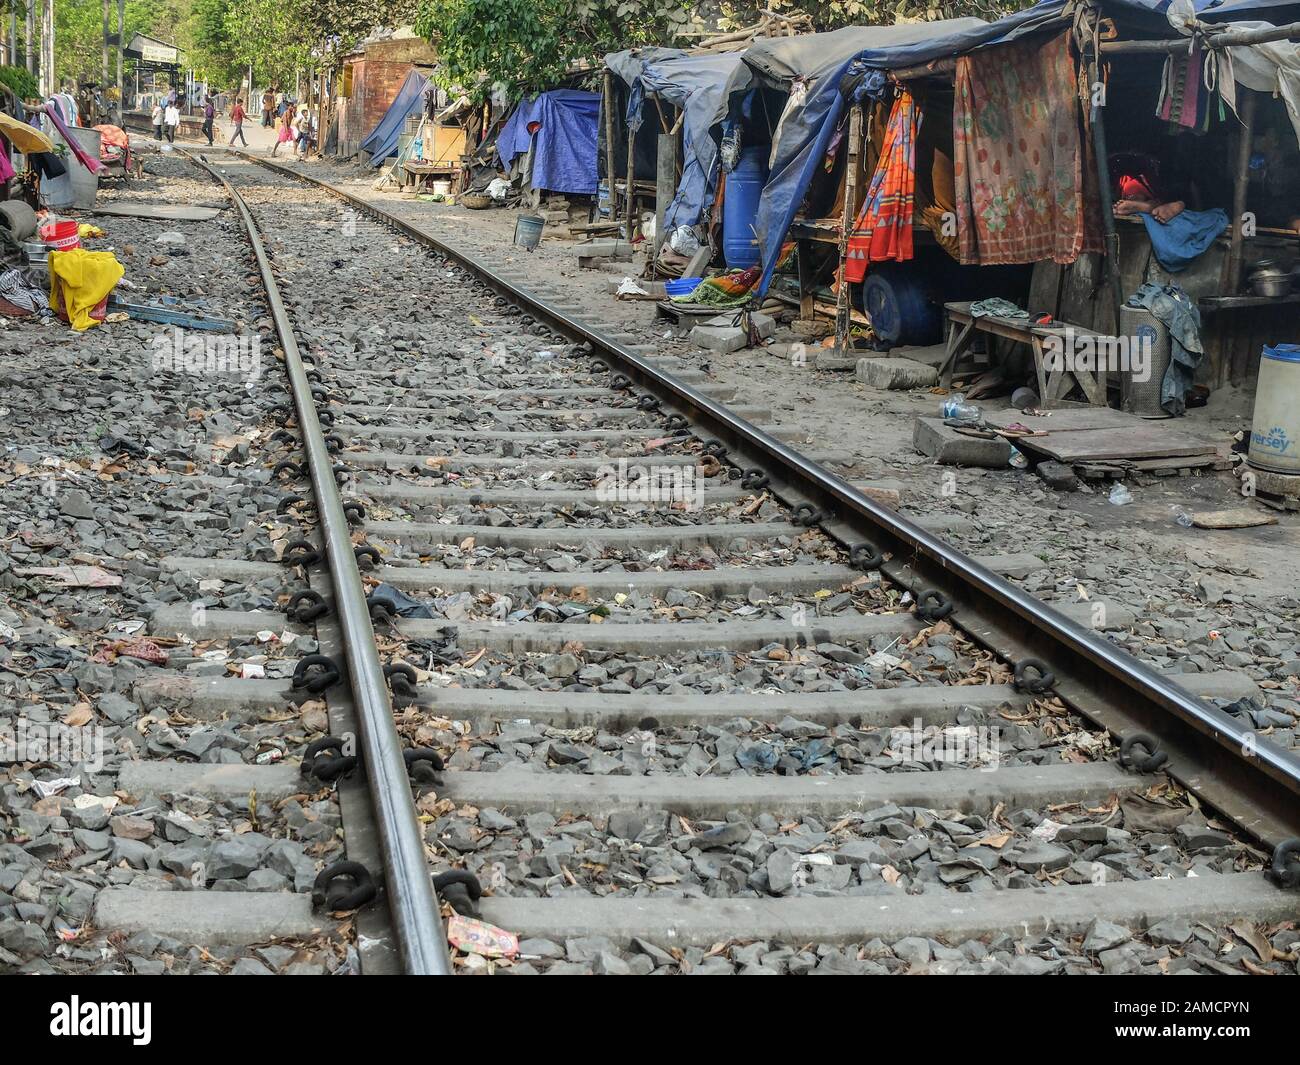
(682, 698)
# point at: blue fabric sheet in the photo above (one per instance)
(806, 133)
(561, 127)
(382, 141)
(1180, 241)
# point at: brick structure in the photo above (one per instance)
(371, 77)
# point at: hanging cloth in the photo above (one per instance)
(883, 229)
(1019, 156)
(93, 165)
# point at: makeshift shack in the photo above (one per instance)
(656, 104)
(375, 77)
(906, 180)
(677, 96)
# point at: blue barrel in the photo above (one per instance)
(740, 208)
(896, 299)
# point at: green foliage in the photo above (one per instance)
(24, 85)
(527, 45)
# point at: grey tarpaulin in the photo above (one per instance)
(695, 84)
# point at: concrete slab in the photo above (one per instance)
(209, 918)
(227, 781)
(965, 789)
(894, 374)
(946, 915)
(950, 448)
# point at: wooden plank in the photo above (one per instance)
(1135, 442)
(1067, 419)
(1240, 518)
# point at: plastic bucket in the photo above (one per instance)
(528, 230)
(60, 236)
(1275, 428)
(682, 286)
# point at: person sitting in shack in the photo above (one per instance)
(1142, 188)
(1164, 196)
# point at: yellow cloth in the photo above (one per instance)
(79, 279)
(25, 138)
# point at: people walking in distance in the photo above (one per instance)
(172, 119)
(157, 119)
(283, 130)
(237, 116)
(209, 117)
(268, 106)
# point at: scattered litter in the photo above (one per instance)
(252, 671)
(629, 287)
(884, 662)
(211, 584)
(46, 788)
(170, 237)
(1120, 495)
(478, 937)
(86, 801)
(73, 576)
(398, 603)
(1047, 830)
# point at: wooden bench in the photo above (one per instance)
(1053, 382)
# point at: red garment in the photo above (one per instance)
(238, 114)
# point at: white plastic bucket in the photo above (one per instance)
(1275, 429)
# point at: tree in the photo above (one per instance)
(528, 45)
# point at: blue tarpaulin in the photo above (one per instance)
(696, 84)
(822, 61)
(560, 126)
(382, 141)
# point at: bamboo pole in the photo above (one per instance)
(843, 302)
(1231, 280)
(609, 143)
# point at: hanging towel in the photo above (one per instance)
(1181, 240)
(79, 281)
(883, 229)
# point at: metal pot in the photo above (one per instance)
(1270, 282)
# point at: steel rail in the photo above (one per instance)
(1253, 781)
(412, 900)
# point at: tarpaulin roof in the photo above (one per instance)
(805, 133)
(560, 126)
(696, 84)
(382, 141)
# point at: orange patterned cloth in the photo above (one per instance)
(883, 229)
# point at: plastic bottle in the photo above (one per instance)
(1181, 517)
(956, 409)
